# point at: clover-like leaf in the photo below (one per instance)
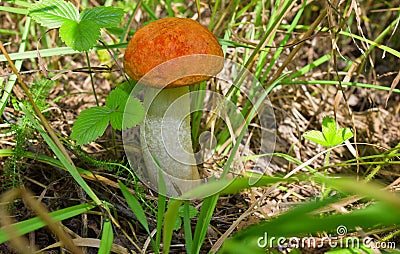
(342, 135)
(53, 13)
(91, 124)
(316, 136)
(330, 134)
(80, 36)
(329, 129)
(103, 16)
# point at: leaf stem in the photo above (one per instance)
(91, 78)
(325, 191)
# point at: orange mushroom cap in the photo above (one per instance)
(167, 39)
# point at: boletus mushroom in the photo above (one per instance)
(167, 56)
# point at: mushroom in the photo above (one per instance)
(167, 56)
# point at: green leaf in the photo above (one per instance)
(178, 223)
(135, 206)
(342, 135)
(192, 211)
(91, 124)
(116, 101)
(316, 136)
(53, 13)
(117, 97)
(134, 113)
(107, 238)
(329, 129)
(330, 135)
(103, 16)
(80, 36)
(116, 118)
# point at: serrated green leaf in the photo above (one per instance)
(116, 118)
(116, 98)
(178, 223)
(103, 16)
(91, 124)
(192, 211)
(116, 101)
(127, 86)
(80, 36)
(329, 129)
(53, 13)
(316, 136)
(133, 114)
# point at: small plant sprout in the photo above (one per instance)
(330, 136)
(159, 56)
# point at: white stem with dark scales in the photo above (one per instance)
(165, 138)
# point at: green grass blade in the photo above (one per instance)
(169, 223)
(369, 190)
(169, 8)
(43, 158)
(304, 70)
(18, 64)
(336, 83)
(33, 224)
(149, 10)
(14, 10)
(280, 49)
(187, 228)
(135, 206)
(107, 238)
(197, 111)
(206, 212)
(125, 31)
(301, 222)
(161, 205)
(60, 51)
(22, 3)
(137, 209)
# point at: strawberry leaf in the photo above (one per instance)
(134, 113)
(53, 13)
(80, 36)
(103, 16)
(91, 124)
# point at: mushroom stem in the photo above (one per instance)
(165, 138)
